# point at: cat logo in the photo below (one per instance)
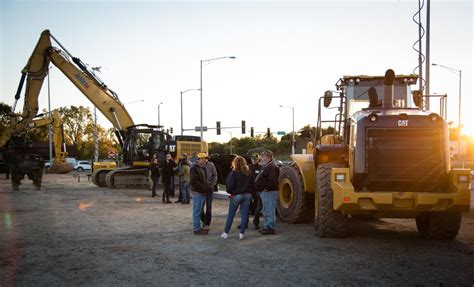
(402, 123)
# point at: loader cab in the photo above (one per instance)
(364, 92)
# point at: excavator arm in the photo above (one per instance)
(134, 172)
(76, 71)
(59, 165)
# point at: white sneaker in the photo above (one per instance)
(224, 235)
(241, 236)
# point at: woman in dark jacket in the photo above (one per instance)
(239, 185)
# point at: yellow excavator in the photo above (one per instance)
(138, 142)
(17, 151)
(59, 164)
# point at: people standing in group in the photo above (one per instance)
(184, 171)
(155, 175)
(239, 185)
(206, 214)
(267, 184)
(167, 170)
(200, 188)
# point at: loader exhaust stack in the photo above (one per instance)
(388, 89)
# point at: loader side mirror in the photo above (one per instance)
(417, 98)
(327, 98)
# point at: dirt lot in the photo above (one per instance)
(72, 233)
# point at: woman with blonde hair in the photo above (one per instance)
(239, 185)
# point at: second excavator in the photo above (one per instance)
(138, 142)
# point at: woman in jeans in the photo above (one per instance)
(239, 185)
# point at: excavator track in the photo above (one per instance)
(128, 178)
(98, 177)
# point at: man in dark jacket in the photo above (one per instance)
(199, 188)
(167, 171)
(155, 175)
(206, 214)
(267, 184)
(255, 168)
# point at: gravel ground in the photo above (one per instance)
(72, 233)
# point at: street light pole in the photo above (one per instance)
(459, 72)
(159, 113)
(182, 92)
(200, 99)
(50, 135)
(96, 138)
(294, 142)
(203, 61)
(293, 132)
(230, 132)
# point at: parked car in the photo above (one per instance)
(83, 165)
(72, 161)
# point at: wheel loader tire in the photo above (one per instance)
(328, 222)
(439, 225)
(294, 205)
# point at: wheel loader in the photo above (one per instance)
(387, 158)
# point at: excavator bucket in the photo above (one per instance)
(60, 167)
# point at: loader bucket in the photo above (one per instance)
(60, 167)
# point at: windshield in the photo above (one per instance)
(358, 95)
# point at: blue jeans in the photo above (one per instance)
(154, 178)
(244, 201)
(198, 202)
(184, 191)
(269, 202)
(206, 213)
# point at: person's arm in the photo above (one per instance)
(185, 172)
(261, 180)
(230, 182)
(213, 175)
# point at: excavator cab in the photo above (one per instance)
(141, 142)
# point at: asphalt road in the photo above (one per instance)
(72, 233)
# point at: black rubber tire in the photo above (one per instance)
(439, 225)
(328, 222)
(80, 169)
(294, 205)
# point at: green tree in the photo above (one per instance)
(306, 131)
(216, 148)
(77, 123)
(5, 111)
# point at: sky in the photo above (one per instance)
(287, 53)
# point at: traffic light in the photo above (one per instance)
(268, 133)
(218, 128)
(251, 132)
(243, 127)
(171, 130)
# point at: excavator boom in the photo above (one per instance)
(76, 71)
